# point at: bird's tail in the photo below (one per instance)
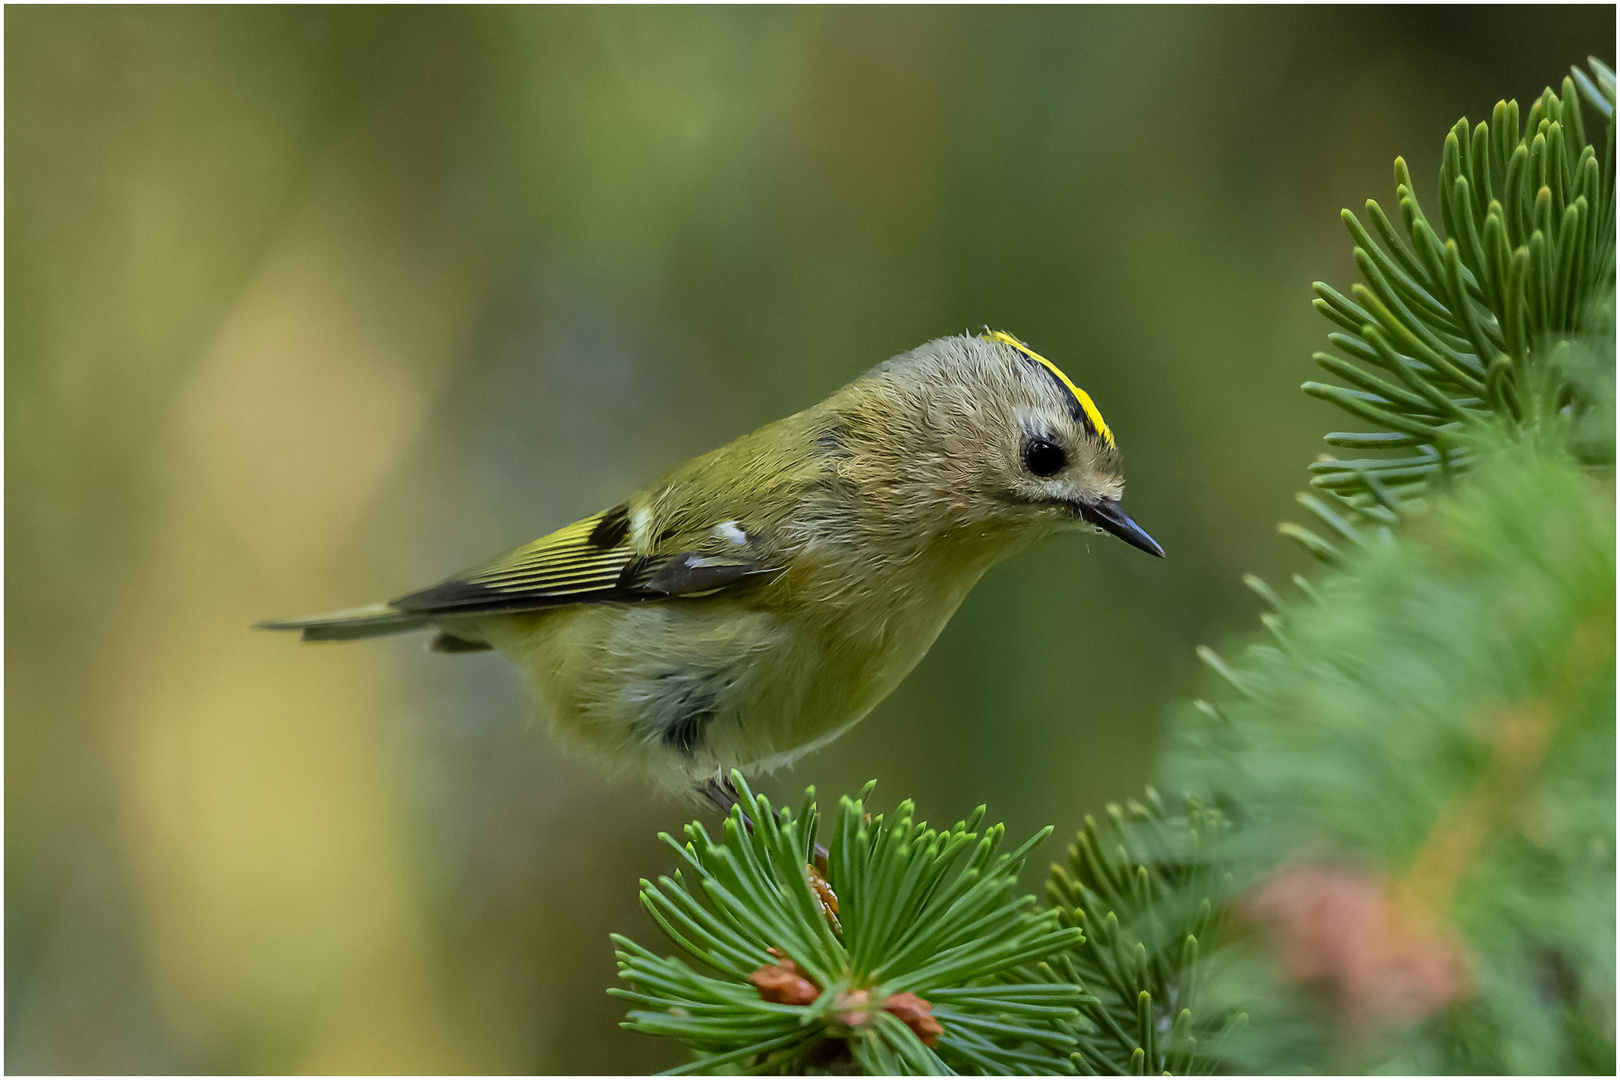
(373, 620)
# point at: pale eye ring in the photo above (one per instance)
(1044, 458)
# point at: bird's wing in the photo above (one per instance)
(592, 561)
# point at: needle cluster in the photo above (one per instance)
(907, 950)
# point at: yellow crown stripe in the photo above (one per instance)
(1080, 395)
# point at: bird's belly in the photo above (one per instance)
(682, 691)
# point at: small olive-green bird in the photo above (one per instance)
(758, 601)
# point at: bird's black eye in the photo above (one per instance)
(1044, 458)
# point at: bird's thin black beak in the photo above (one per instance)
(1109, 517)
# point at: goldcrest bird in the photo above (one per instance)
(759, 600)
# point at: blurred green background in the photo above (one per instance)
(306, 307)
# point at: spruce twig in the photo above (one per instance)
(1148, 888)
(1445, 337)
(913, 955)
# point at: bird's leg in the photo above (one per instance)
(723, 796)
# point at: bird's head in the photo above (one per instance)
(988, 433)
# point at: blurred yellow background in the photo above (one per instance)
(307, 307)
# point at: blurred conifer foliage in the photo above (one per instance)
(1395, 845)
(1420, 764)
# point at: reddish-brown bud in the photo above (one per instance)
(917, 1015)
(784, 982)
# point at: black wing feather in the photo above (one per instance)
(590, 561)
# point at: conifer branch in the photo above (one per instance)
(1419, 765)
(907, 953)
(1446, 337)
(1147, 887)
